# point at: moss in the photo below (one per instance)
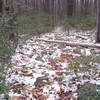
(89, 92)
(3, 85)
(34, 23)
(80, 22)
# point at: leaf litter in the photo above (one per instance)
(40, 70)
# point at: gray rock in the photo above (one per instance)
(62, 46)
(38, 58)
(41, 81)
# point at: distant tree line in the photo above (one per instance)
(57, 7)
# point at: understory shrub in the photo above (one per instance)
(89, 92)
(7, 27)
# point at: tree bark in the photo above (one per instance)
(98, 22)
(70, 7)
(1, 4)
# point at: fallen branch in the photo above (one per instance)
(82, 37)
(73, 44)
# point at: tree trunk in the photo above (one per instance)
(1, 4)
(70, 7)
(98, 22)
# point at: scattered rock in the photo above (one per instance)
(41, 81)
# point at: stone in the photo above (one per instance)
(38, 58)
(41, 81)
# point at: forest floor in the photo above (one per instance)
(41, 70)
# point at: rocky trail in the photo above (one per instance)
(42, 70)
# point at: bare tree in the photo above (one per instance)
(1, 4)
(98, 22)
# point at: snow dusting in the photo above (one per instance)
(40, 70)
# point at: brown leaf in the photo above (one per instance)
(19, 98)
(38, 94)
(66, 56)
(26, 74)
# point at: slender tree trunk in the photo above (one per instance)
(70, 7)
(98, 22)
(3, 7)
(1, 4)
